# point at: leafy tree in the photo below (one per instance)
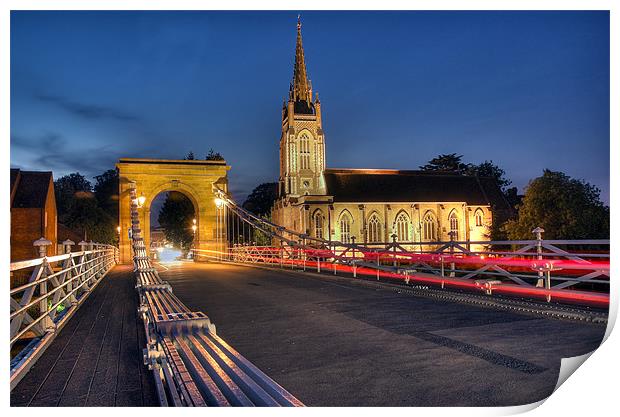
(512, 197)
(106, 192)
(489, 169)
(259, 237)
(90, 220)
(214, 156)
(65, 189)
(566, 208)
(262, 198)
(176, 217)
(447, 163)
(190, 156)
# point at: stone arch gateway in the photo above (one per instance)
(194, 178)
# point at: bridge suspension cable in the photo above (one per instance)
(191, 364)
(528, 268)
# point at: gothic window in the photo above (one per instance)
(402, 227)
(345, 228)
(454, 225)
(319, 220)
(304, 151)
(293, 158)
(429, 227)
(373, 229)
(479, 216)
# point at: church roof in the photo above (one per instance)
(370, 185)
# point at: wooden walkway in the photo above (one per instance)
(96, 360)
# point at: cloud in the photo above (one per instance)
(51, 152)
(87, 111)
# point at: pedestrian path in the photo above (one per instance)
(96, 359)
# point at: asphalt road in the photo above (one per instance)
(338, 344)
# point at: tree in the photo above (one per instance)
(190, 156)
(106, 192)
(176, 217)
(65, 189)
(90, 220)
(566, 208)
(261, 199)
(214, 156)
(447, 163)
(489, 169)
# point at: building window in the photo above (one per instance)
(318, 224)
(402, 227)
(454, 225)
(304, 151)
(345, 228)
(429, 227)
(373, 232)
(479, 216)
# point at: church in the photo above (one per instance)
(369, 206)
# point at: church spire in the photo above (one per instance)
(302, 90)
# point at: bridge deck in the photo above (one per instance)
(96, 360)
(333, 343)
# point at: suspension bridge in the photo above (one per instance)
(266, 316)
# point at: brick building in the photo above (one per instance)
(33, 213)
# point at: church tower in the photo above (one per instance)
(302, 146)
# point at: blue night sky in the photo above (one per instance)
(528, 90)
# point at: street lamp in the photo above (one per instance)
(219, 203)
(194, 228)
(141, 200)
(118, 230)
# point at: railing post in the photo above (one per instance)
(538, 232)
(354, 263)
(69, 274)
(281, 255)
(394, 236)
(442, 265)
(42, 245)
(302, 243)
(451, 234)
(83, 264)
(67, 245)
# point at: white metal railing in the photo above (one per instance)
(55, 288)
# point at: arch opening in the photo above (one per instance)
(173, 225)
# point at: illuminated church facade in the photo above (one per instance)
(368, 206)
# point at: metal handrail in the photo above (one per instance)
(79, 272)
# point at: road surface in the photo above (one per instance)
(334, 343)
